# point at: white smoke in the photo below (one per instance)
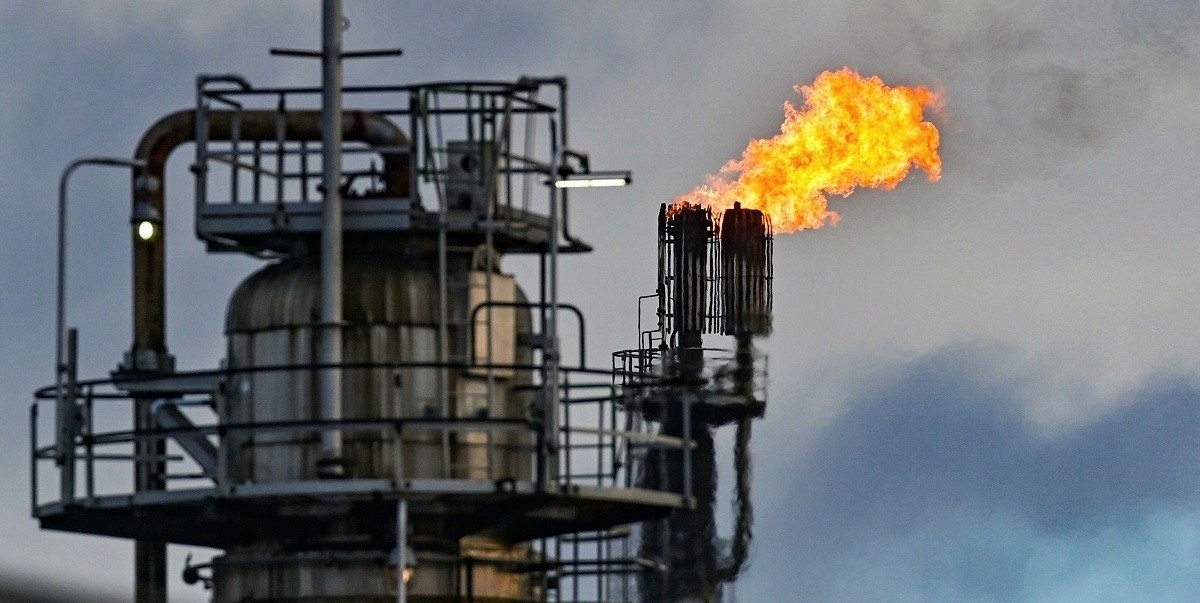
(1032, 85)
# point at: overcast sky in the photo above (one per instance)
(983, 389)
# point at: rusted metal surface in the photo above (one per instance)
(746, 271)
(716, 271)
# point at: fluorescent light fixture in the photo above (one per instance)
(594, 180)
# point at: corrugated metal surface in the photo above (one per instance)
(379, 289)
(390, 310)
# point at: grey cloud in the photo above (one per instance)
(1170, 27)
(933, 485)
(940, 436)
(20, 589)
(1032, 86)
(1070, 106)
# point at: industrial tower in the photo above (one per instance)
(396, 418)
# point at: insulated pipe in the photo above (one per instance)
(148, 351)
(175, 129)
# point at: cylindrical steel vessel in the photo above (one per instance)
(391, 309)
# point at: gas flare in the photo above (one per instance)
(852, 131)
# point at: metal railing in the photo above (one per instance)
(494, 141)
(608, 566)
(256, 144)
(600, 434)
(717, 374)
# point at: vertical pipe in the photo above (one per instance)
(90, 459)
(223, 479)
(567, 470)
(331, 235)
(414, 166)
(256, 193)
(149, 558)
(601, 445)
(402, 561)
(60, 310)
(304, 171)
(33, 459)
(443, 275)
(490, 192)
(685, 401)
(663, 288)
(550, 349)
(71, 410)
(62, 413)
(148, 353)
(280, 137)
(200, 165)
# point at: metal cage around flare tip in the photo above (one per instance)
(746, 271)
(715, 277)
(690, 233)
(715, 273)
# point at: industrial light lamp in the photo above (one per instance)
(594, 179)
(145, 220)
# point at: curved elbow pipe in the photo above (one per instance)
(149, 315)
(261, 125)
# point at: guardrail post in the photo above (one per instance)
(68, 419)
(90, 446)
(33, 459)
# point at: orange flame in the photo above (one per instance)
(853, 131)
